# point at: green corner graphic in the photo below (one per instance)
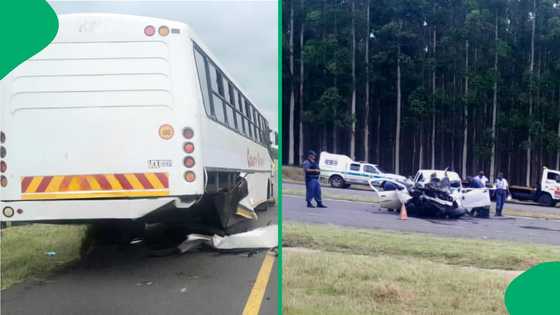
(27, 27)
(535, 291)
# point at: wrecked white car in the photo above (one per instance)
(433, 193)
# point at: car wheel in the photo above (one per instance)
(546, 200)
(337, 181)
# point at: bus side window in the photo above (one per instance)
(219, 108)
(229, 118)
(248, 109)
(231, 95)
(244, 125)
(240, 102)
(203, 80)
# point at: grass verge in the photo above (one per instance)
(453, 251)
(23, 250)
(335, 283)
(355, 271)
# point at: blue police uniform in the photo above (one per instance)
(312, 185)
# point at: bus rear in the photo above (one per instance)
(98, 125)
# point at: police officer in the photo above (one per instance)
(482, 179)
(502, 188)
(312, 185)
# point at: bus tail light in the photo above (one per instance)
(149, 30)
(3, 167)
(163, 30)
(188, 133)
(3, 181)
(2, 137)
(189, 161)
(188, 147)
(189, 176)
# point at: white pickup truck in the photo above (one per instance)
(394, 195)
(341, 171)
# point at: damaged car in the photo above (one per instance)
(433, 193)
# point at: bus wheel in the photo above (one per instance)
(337, 181)
(546, 200)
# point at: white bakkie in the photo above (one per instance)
(124, 116)
(341, 171)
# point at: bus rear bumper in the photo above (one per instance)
(46, 210)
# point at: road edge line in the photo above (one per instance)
(253, 305)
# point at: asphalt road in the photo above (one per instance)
(514, 204)
(366, 215)
(115, 280)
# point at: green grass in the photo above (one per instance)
(334, 283)
(24, 250)
(453, 251)
(356, 271)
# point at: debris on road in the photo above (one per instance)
(260, 238)
(144, 283)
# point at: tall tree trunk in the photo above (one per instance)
(301, 79)
(291, 143)
(494, 103)
(335, 127)
(433, 139)
(398, 128)
(366, 104)
(353, 109)
(531, 69)
(558, 149)
(378, 135)
(466, 114)
(421, 149)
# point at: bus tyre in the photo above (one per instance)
(337, 181)
(546, 200)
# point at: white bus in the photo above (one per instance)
(132, 118)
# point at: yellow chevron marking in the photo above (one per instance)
(114, 182)
(54, 185)
(134, 182)
(97, 194)
(93, 183)
(34, 184)
(152, 178)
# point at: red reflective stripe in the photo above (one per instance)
(163, 179)
(103, 182)
(25, 183)
(65, 183)
(44, 184)
(144, 181)
(123, 181)
(84, 184)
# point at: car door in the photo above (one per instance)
(354, 174)
(371, 172)
(389, 198)
(475, 198)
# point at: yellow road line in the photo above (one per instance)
(253, 305)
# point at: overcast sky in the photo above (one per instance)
(243, 35)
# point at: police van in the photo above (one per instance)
(340, 171)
